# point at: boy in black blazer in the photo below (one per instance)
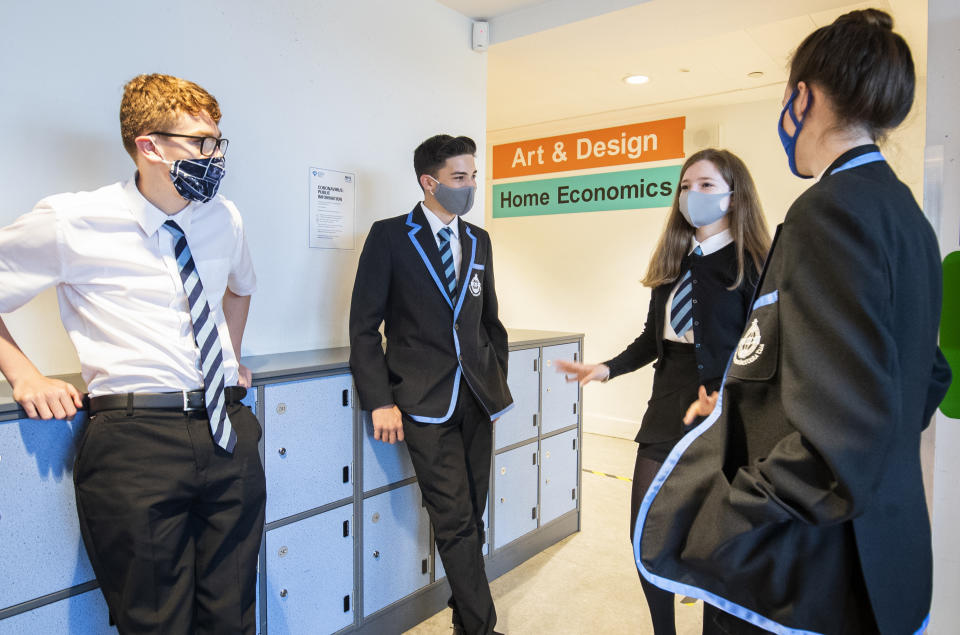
(427, 276)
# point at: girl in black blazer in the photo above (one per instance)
(702, 276)
(798, 505)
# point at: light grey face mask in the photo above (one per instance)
(456, 200)
(702, 209)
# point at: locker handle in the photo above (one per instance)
(423, 566)
(346, 529)
(346, 473)
(574, 407)
(346, 604)
(575, 356)
(536, 364)
(573, 493)
(534, 420)
(346, 397)
(574, 444)
(533, 513)
(534, 458)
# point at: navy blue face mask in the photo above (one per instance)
(197, 179)
(790, 142)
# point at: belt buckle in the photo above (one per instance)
(186, 402)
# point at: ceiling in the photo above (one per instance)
(486, 9)
(689, 49)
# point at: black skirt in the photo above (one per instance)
(675, 386)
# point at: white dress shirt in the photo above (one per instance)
(121, 298)
(711, 245)
(436, 225)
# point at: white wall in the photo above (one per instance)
(581, 272)
(943, 131)
(351, 86)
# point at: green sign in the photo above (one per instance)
(630, 189)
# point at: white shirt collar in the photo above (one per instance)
(436, 224)
(713, 244)
(150, 217)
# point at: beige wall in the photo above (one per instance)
(581, 272)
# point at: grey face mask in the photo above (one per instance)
(702, 209)
(456, 200)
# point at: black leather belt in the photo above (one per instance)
(184, 401)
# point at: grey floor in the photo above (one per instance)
(586, 583)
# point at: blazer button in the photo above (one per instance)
(456, 327)
(698, 344)
(699, 366)
(694, 281)
(696, 322)
(694, 300)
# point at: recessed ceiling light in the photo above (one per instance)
(755, 74)
(684, 70)
(636, 79)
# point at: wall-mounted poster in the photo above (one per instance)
(332, 208)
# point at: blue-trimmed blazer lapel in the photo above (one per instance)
(426, 245)
(468, 244)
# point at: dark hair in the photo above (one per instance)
(434, 152)
(864, 67)
(747, 223)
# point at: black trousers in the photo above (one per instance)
(675, 386)
(452, 463)
(172, 523)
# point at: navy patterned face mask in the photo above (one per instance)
(197, 179)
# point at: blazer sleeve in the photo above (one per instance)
(939, 384)
(642, 350)
(371, 291)
(490, 316)
(839, 386)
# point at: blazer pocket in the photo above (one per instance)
(756, 356)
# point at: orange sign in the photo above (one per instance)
(620, 145)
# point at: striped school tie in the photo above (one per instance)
(205, 335)
(446, 258)
(681, 311)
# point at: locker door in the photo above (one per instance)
(558, 475)
(396, 545)
(383, 464)
(560, 399)
(40, 545)
(308, 444)
(310, 574)
(515, 494)
(520, 423)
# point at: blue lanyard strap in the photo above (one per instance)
(863, 159)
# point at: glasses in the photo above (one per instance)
(208, 145)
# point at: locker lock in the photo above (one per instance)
(281, 408)
(282, 451)
(376, 517)
(503, 470)
(283, 593)
(548, 454)
(282, 551)
(376, 555)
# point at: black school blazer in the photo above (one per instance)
(431, 341)
(798, 505)
(718, 316)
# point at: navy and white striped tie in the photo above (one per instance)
(681, 311)
(208, 341)
(446, 259)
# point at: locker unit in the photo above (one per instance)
(347, 546)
